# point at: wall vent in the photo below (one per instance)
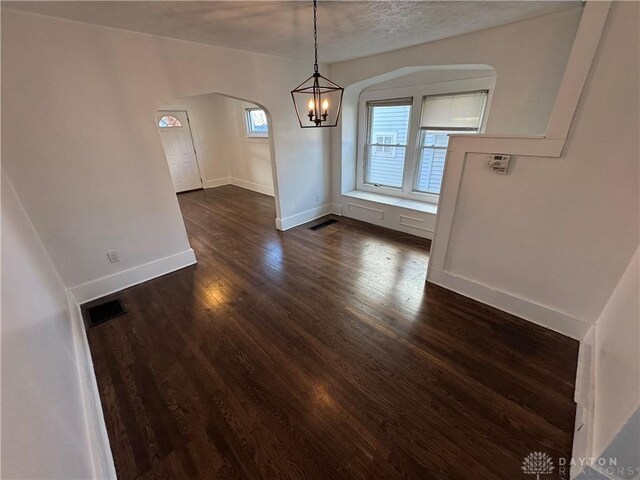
(105, 311)
(326, 223)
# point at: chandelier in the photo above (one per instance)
(317, 100)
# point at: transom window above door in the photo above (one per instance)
(169, 121)
(404, 152)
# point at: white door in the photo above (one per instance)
(175, 134)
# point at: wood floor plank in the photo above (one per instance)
(321, 354)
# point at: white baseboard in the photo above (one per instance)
(336, 209)
(584, 397)
(127, 278)
(304, 217)
(540, 314)
(216, 182)
(394, 216)
(101, 457)
(238, 182)
(256, 187)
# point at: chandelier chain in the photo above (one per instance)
(317, 98)
(315, 35)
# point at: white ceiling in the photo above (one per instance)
(347, 29)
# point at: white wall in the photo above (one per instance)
(617, 359)
(427, 77)
(558, 233)
(248, 158)
(44, 431)
(528, 58)
(226, 155)
(81, 145)
(203, 111)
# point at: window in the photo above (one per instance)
(403, 153)
(169, 121)
(441, 116)
(256, 122)
(383, 140)
(387, 142)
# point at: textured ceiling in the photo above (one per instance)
(346, 29)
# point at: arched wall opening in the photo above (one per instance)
(230, 143)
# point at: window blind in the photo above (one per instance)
(392, 102)
(457, 112)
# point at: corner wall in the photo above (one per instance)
(248, 158)
(80, 143)
(205, 129)
(226, 155)
(529, 59)
(550, 240)
(617, 362)
(44, 428)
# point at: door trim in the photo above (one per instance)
(193, 141)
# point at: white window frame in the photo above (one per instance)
(391, 145)
(413, 139)
(419, 150)
(368, 145)
(169, 114)
(247, 121)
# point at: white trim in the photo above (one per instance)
(410, 221)
(197, 144)
(238, 182)
(584, 397)
(576, 72)
(550, 145)
(508, 302)
(108, 284)
(100, 451)
(406, 203)
(336, 209)
(352, 206)
(263, 139)
(303, 217)
(417, 92)
(247, 123)
(194, 143)
(582, 53)
(217, 182)
(101, 456)
(256, 187)
(259, 136)
(395, 216)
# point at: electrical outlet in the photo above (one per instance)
(113, 257)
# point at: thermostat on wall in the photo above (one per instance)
(499, 163)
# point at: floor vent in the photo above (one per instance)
(326, 223)
(106, 311)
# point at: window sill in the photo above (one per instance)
(409, 204)
(257, 136)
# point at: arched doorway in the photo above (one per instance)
(226, 141)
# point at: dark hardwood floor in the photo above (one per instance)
(322, 355)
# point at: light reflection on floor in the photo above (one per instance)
(398, 276)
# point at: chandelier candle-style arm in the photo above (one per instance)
(317, 99)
